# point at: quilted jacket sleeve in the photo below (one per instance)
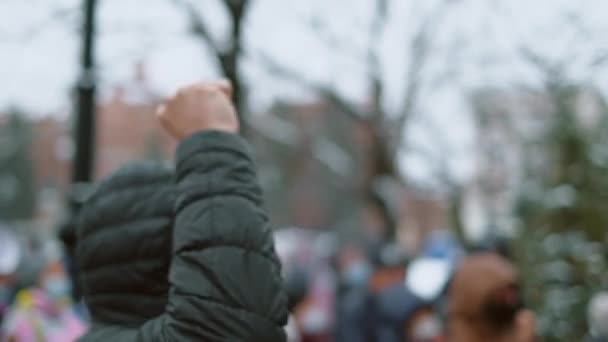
(225, 282)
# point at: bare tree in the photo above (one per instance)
(228, 55)
(386, 130)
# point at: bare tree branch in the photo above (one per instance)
(324, 34)
(321, 89)
(228, 58)
(439, 157)
(419, 54)
(376, 29)
(285, 134)
(198, 25)
(277, 130)
(330, 94)
(373, 62)
(600, 59)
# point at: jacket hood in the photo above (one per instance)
(124, 244)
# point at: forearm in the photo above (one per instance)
(224, 266)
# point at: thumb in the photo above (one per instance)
(160, 110)
(226, 87)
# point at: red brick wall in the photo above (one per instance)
(124, 132)
(50, 152)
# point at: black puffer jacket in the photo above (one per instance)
(224, 277)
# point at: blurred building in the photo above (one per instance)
(126, 130)
(51, 151)
(313, 160)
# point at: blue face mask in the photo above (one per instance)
(57, 288)
(357, 274)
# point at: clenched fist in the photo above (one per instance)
(199, 107)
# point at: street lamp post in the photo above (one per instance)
(84, 139)
(85, 103)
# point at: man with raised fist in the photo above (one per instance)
(184, 255)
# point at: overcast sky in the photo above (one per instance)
(476, 42)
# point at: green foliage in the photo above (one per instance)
(17, 185)
(563, 210)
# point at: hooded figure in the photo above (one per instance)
(124, 245)
(485, 303)
(185, 255)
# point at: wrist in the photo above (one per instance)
(204, 142)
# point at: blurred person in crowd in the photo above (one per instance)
(10, 255)
(411, 310)
(378, 225)
(296, 285)
(597, 317)
(45, 312)
(315, 315)
(424, 325)
(442, 244)
(288, 244)
(394, 307)
(493, 243)
(388, 259)
(354, 314)
(188, 256)
(485, 303)
(297, 288)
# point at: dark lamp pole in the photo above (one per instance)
(84, 129)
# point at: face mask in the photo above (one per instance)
(357, 274)
(428, 329)
(57, 288)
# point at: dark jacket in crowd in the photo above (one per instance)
(596, 339)
(185, 255)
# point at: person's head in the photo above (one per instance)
(124, 244)
(54, 282)
(354, 267)
(424, 326)
(485, 303)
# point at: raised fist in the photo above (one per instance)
(199, 107)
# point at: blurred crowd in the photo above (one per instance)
(380, 292)
(187, 254)
(36, 298)
(338, 291)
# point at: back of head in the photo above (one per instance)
(124, 244)
(485, 302)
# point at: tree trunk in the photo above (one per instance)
(230, 59)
